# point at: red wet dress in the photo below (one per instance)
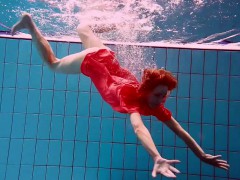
(117, 86)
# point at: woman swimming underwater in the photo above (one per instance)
(119, 88)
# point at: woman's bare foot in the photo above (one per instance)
(25, 23)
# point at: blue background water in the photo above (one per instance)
(54, 126)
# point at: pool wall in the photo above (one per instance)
(55, 126)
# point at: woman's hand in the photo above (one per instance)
(215, 161)
(164, 167)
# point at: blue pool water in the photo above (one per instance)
(54, 126)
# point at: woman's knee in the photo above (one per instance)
(83, 29)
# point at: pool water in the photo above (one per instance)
(54, 126)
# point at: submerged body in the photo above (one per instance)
(122, 91)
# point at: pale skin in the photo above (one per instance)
(71, 65)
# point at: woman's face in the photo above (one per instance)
(157, 95)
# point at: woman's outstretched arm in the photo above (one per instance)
(192, 144)
(161, 165)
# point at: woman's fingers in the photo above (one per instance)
(173, 169)
(173, 161)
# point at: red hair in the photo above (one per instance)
(153, 77)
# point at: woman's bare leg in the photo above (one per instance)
(68, 65)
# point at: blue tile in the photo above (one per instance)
(39, 172)
(31, 126)
(14, 157)
(24, 51)
(54, 153)
(59, 102)
(130, 156)
(197, 61)
(69, 128)
(117, 155)
(4, 146)
(26, 172)
(129, 174)
(78, 173)
(62, 49)
(222, 87)
(182, 109)
(10, 75)
(75, 48)
(52, 172)
(80, 151)
(184, 61)
(234, 87)
(234, 132)
(92, 154)
(222, 112)
(28, 151)
(91, 173)
(12, 172)
(234, 109)
(56, 127)
(85, 83)
(21, 98)
(235, 63)
(5, 125)
(181, 154)
(142, 175)
(36, 59)
(2, 48)
(2, 73)
(106, 110)
(107, 130)
(234, 157)
(65, 173)
(208, 136)
(18, 124)
(2, 167)
(44, 125)
(193, 163)
(83, 104)
(46, 106)
(41, 152)
(223, 62)
(160, 56)
(12, 50)
(168, 137)
(195, 110)
(35, 77)
(33, 101)
(142, 158)
(116, 174)
(210, 66)
(60, 82)
(104, 174)
(172, 60)
(221, 140)
(196, 86)
(82, 129)
(184, 85)
(119, 130)
(67, 153)
(209, 86)
(94, 129)
(208, 113)
(47, 78)
(95, 104)
(71, 103)
(22, 76)
(73, 82)
(105, 155)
